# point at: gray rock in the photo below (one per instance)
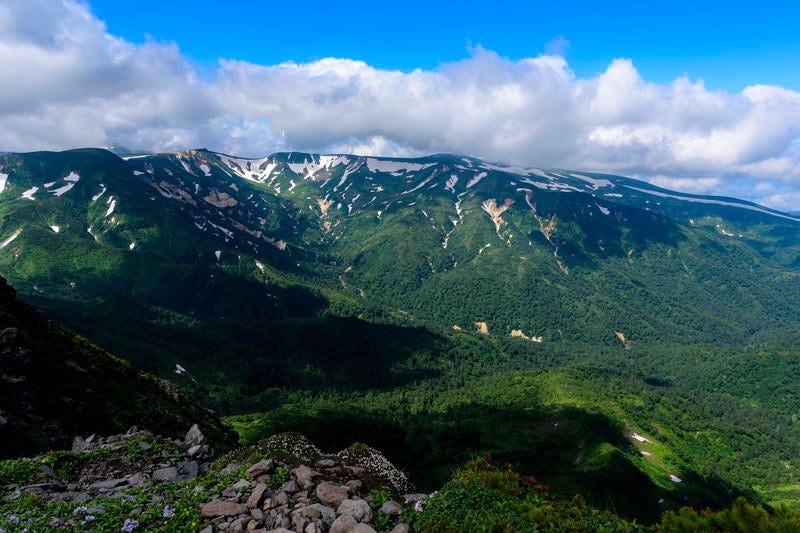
(207, 529)
(188, 470)
(317, 511)
(363, 528)
(299, 522)
(216, 508)
(391, 508)
(313, 527)
(402, 527)
(290, 486)
(257, 496)
(305, 476)
(331, 494)
(343, 524)
(168, 474)
(261, 468)
(358, 509)
(107, 485)
(194, 436)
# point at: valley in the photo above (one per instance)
(321, 292)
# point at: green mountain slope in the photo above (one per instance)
(406, 298)
(55, 386)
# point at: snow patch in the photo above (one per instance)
(675, 479)
(551, 186)
(596, 183)
(131, 246)
(476, 179)
(111, 203)
(205, 168)
(71, 180)
(714, 202)
(639, 438)
(451, 183)
(511, 170)
(10, 238)
(138, 173)
(603, 210)
(218, 254)
(424, 182)
(382, 165)
(55, 229)
(3, 180)
(30, 192)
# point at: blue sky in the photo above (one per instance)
(729, 45)
(699, 97)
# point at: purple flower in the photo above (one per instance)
(88, 519)
(168, 511)
(130, 525)
(80, 510)
(433, 494)
(13, 520)
(418, 506)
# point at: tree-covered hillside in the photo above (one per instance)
(603, 334)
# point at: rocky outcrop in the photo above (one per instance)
(284, 484)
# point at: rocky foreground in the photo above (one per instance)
(138, 481)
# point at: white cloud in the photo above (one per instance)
(66, 82)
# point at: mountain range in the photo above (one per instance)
(440, 305)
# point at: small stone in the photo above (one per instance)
(354, 485)
(363, 528)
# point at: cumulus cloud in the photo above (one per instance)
(66, 82)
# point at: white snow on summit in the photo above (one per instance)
(714, 202)
(382, 165)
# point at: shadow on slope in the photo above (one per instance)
(54, 386)
(572, 450)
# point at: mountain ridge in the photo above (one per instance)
(307, 288)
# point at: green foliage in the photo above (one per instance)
(17, 471)
(279, 477)
(742, 517)
(481, 497)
